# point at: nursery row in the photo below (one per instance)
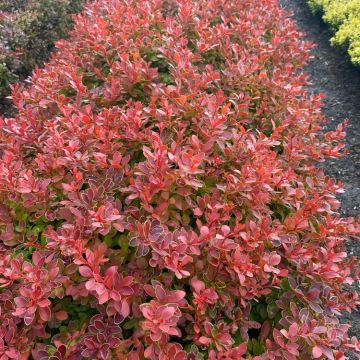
(160, 196)
(344, 19)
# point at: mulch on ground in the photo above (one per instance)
(331, 72)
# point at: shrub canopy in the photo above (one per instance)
(160, 195)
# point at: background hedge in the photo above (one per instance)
(344, 18)
(28, 31)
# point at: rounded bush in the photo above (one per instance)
(161, 196)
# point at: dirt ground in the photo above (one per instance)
(332, 73)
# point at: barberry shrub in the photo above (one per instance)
(161, 196)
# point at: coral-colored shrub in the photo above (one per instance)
(160, 197)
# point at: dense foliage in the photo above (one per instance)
(344, 18)
(160, 195)
(28, 31)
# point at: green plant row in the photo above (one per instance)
(344, 18)
(28, 31)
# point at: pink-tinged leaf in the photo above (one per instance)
(111, 271)
(313, 294)
(126, 291)
(125, 309)
(292, 348)
(149, 290)
(160, 293)
(278, 338)
(61, 315)
(293, 330)
(126, 281)
(197, 212)
(103, 297)
(99, 325)
(204, 231)
(316, 307)
(85, 271)
(242, 348)
(265, 330)
(44, 303)
(156, 336)
(176, 296)
(24, 189)
(197, 285)
(91, 285)
(167, 313)
(164, 328)
(174, 332)
(115, 295)
(118, 226)
(148, 351)
(316, 352)
(62, 350)
(32, 309)
(45, 313)
(203, 340)
(71, 269)
(320, 330)
(267, 268)
(181, 355)
(274, 259)
(28, 319)
(329, 353)
(12, 354)
(283, 272)
(146, 311)
(20, 301)
(38, 260)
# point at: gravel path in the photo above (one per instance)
(332, 73)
